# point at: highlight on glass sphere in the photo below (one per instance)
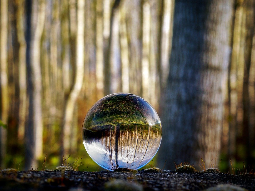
(122, 131)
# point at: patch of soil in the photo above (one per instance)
(163, 180)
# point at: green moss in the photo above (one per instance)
(185, 168)
(212, 170)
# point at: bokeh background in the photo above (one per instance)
(58, 57)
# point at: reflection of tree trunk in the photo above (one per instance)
(193, 103)
(34, 129)
(79, 74)
(3, 78)
(117, 136)
(249, 21)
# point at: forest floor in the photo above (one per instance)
(11, 179)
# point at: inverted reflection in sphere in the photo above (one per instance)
(122, 131)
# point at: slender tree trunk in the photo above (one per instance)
(22, 68)
(239, 60)
(134, 33)
(79, 75)
(56, 92)
(3, 79)
(146, 49)
(99, 50)
(34, 129)
(91, 59)
(106, 37)
(249, 24)
(111, 84)
(154, 87)
(13, 85)
(47, 84)
(72, 38)
(252, 103)
(124, 51)
(193, 101)
(54, 58)
(164, 36)
(233, 89)
(66, 47)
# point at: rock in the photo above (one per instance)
(226, 187)
(122, 185)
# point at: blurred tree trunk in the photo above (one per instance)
(66, 76)
(134, 33)
(124, 50)
(13, 85)
(106, 36)
(249, 32)
(193, 102)
(252, 102)
(99, 50)
(154, 87)
(234, 82)
(89, 88)
(78, 81)
(35, 14)
(112, 57)
(146, 22)
(3, 78)
(164, 36)
(47, 85)
(20, 4)
(66, 47)
(53, 62)
(56, 91)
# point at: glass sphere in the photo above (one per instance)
(122, 131)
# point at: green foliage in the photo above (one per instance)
(223, 164)
(185, 168)
(212, 170)
(2, 124)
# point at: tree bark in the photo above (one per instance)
(34, 130)
(193, 101)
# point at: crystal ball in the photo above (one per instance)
(122, 131)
